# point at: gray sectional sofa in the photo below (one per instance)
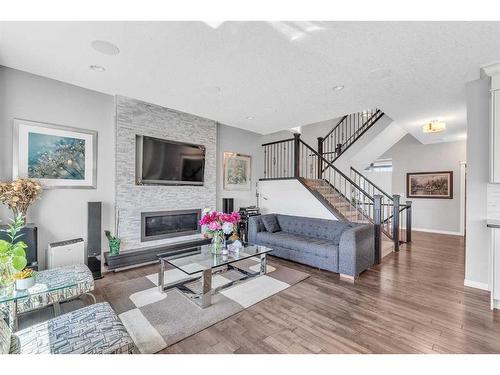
(338, 246)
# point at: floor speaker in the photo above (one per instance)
(227, 205)
(94, 233)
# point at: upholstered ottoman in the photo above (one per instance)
(62, 283)
(94, 329)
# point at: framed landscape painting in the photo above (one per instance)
(58, 156)
(237, 171)
(429, 185)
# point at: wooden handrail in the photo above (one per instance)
(335, 127)
(276, 142)
(338, 171)
(371, 183)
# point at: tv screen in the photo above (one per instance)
(169, 162)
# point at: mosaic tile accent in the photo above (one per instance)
(94, 329)
(137, 117)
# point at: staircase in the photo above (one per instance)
(346, 132)
(352, 198)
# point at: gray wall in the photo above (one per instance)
(477, 239)
(230, 139)
(138, 117)
(409, 155)
(61, 213)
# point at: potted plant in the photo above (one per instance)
(18, 195)
(12, 255)
(25, 279)
(216, 225)
(113, 241)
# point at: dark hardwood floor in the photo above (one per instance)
(414, 302)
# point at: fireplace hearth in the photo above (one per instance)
(159, 225)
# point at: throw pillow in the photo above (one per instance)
(271, 223)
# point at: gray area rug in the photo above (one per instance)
(157, 320)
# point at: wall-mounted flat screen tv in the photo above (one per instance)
(164, 162)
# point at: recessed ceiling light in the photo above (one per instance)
(250, 117)
(338, 88)
(105, 47)
(97, 68)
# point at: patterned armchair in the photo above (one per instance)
(94, 329)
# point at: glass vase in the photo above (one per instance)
(217, 243)
(114, 246)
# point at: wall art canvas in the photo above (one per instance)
(429, 185)
(58, 156)
(237, 171)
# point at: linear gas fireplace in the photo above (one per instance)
(167, 224)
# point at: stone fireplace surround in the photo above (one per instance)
(137, 117)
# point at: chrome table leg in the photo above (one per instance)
(206, 286)
(263, 264)
(161, 276)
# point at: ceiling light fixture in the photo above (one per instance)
(434, 127)
(338, 88)
(105, 47)
(97, 68)
(365, 113)
(250, 117)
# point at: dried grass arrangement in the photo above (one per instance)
(18, 195)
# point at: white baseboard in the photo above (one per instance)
(496, 304)
(476, 284)
(437, 231)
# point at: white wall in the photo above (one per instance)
(477, 239)
(409, 155)
(382, 179)
(61, 214)
(230, 139)
(290, 197)
(311, 132)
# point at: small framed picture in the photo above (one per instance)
(237, 171)
(58, 156)
(438, 185)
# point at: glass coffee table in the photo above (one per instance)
(198, 263)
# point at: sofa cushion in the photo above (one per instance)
(94, 329)
(310, 245)
(5, 334)
(271, 223)
(330, 230)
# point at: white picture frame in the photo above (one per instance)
(58, 156)
(237, 172)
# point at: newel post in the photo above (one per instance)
(377, 223)
(320, 160)
(395, 221)
(296, 155)
(408, 221)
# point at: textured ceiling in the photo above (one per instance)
(279, 73)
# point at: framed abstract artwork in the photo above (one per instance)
(58, 156)
(237, 171)
(437, 185)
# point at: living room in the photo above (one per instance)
(161, 194)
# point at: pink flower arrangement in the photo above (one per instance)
(215, 221)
